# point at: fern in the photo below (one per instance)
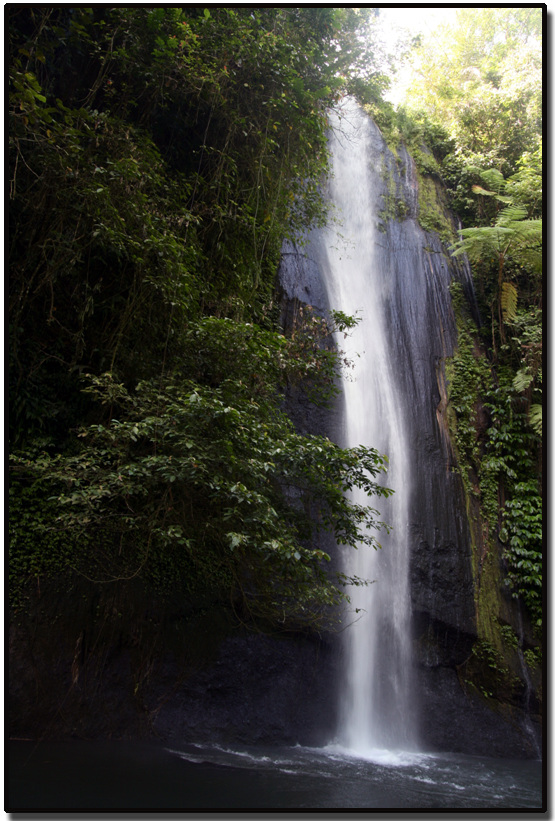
(494, 179)
(536, 418)
(477, 189)
(512, 235)
(483, 242)
(509, 298)
(522, 380)
(512, 214)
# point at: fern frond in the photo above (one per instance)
(522, 380)
(510, 214)
(509, 299)
(494, 179)
(484, 242)
(477, 189)
(536, 418)
(529, 230)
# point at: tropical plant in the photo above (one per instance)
(158, 158)
(481, 77)
(208, 477)
(512, 236)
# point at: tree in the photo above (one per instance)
(206, 479)
(158, 158)
(512, 237)
(481, 77)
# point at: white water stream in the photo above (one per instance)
(376, 702)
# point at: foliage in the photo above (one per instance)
(512, 234)
(158, 158)
(467, 81)
(522, 533)
(187, 471)
(36, 550)
(489, 668)
(481, 78)
(495, 450)
(167, 194)
(514, 244)
(533, 657)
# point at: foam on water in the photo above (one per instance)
(335, 776)
(378, 755)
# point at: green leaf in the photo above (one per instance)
(536, 418)
(509, 299)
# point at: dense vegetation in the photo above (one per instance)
(479, 83)
(158, 158)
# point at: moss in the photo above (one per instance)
(488, 585)
(468, 375)
(426, 144)
(432, 209)
(489, 673)
(394, 204)
(425, 161)
(432, 202)
(387, 121)
(494, 669)
(397, 129)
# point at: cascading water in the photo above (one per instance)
(384, 265)
(376, 709)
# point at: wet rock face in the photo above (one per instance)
(422, 334)
(300, 280)
(261, 690)
(457, 721)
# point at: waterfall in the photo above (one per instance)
(376, 696)
(406, 633)
(528, 727)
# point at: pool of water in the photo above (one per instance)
(129, 776)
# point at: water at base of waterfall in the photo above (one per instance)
(142, 777)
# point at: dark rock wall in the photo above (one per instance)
(210, 683)
(261, 690)
(417, 271)
(422, 334)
